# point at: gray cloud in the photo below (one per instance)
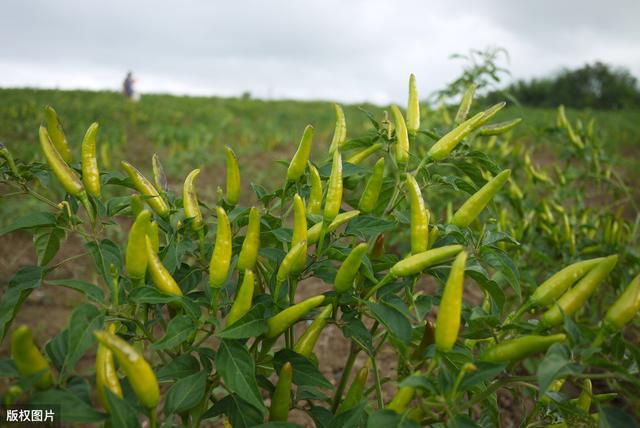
(349, 51)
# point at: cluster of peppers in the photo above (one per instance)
(563, 293)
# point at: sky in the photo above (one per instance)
(347, 51)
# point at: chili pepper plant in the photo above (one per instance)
(440, 241)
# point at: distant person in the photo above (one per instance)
(127, 87)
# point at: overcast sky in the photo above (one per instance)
(326, 49)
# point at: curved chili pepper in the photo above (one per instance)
(159, 274)
(356, 391)
(413, 108)
(106, 374)
(137, 205)
(479, 200)
(90, 171)
(141, 377)
(299, 233)
(301, 157)
(251, 244)
(357, 158)
(140, 182)
(136, 258)
(334, 189)
(286, 318)
(340, 132)
(450, 309)
(286, 266)
(371, 193)
(281, 399)
(190, 200)
(28, 359)
(402, 136)
(519, 348)
(349, 268)
(233, 177)
(447, 143)
(573, 299)
(6, 154)
(465, 104)
(244, 296)
(314, 204)
(583, 401)
(67, 177)
(159, 177)
(418, 262)
(221, 256)
(308, 340)
(558, 283)
(499, 128)
(625, 307)
(401, 400)
(56, 133)
(313, 234)
(419, 217)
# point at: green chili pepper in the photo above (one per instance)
(314, 204)
(313, 234)
(141, 377)
(251, 244)
(299, 161)
(159, 274)
(413, 108)
(308, 340)
(281, 399)
(349, 268)
(559, 282)
(154, 236)
(136, 256)
(356, 391)
(233, 177)
(450, 309)
(573, 299)
(6, 154)
(244, 296)
(499, 128)
(514, 350)
(67, 177)
(299, 233)
(401, 400)
(446, 144)
(140, 182)
(625, 307)
(136, 204)
(90, 171)
(465, 104)
(56, 133)
(287, 265)
(285, 319)
(564, 123)
(418, 262)
(419, 217)
(357, 158)
(340, 132)
(159, 177)
(402, 136)
(584, 399)
(479, 200)
(221, 256)
(190, 200)
(106, 374)
(371, 193)
(334, 189)
(28, 359)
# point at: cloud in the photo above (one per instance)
(348, 51)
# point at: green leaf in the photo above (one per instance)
(104, 254)
(73, 408)
(38, 219)
(186, 393)
(84, 320)
(304, 372)
(240, 413)
(556, 364)
(179, 329)
(121, 413)
(252, 324)
(151, 296)
(20, 286)
(611, 417)
(389, 419)
(366, 226)
(56, 349)
(237, 369)
(47, 243)
(92, 291)
(501, 261)
(392, 319)
(352, 418)
(8, 368)
(179, 367)
(355, 330)
(484, 373)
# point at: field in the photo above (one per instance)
(191, 132)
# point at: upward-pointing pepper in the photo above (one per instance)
(28, 359)
(419, 217)
(221, 256)
(233, 177)
(301, 157)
